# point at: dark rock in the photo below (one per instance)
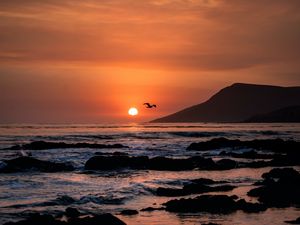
(215, 143)
(42, 145)
(250, 207)
(129, 212)
(143, 162)
(116, 162)
(210, 224)
(37, 219)
(275, 145)
(226, 164)
(72, 212)
(150, 209)
(162, 163)
(212, 204)
(105, 219)
(296, 221)
(203, 163)
(280, 188)
(247, 155)
(25, 163)
(288, 174)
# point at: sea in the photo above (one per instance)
(113, 191)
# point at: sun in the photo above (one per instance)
(133, 111)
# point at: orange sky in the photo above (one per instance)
(89, 61)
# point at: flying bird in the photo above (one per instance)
(149, 106)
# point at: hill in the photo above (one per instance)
(289, 114)
(236, 103)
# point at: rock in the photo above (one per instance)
(150, 209)
(72, 212)
(129, 212)
(211, 203)
(42, 145)
(210, 224)
(24, 163)
(275, 145)
(116, 162)
(105, 219)
(143, 162)
(280, 188)
(247, 155)
(193, 188)
(288, 174)
(203, 163)
(37, 219)
(163, 163)
(226, 164)
(215, 143)
(296, 221)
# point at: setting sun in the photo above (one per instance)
(133, 111)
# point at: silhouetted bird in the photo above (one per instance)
(149, 106)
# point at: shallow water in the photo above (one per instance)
(22, 193)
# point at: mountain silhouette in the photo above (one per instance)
(237, 103)
(289, 114)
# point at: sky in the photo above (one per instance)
(75, 61)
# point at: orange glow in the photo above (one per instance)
(87, 61)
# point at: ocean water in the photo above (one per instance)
(113, 191)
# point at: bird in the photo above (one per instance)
(149, 106)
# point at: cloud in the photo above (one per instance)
(168, 34)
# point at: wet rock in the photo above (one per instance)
(116, 162)
(150, 209)
(143, 162)
(290, 159)
(213, 204)
(226, 164)
(22, 164)
(203, 163)
(210, 224)
(72, 212)
(275, 145)
(247, 155)
(280, 188)
(163, 163)
(105, 219)
(37, 219)
(296, 221)
(129, 212)
(42, 145)
(193, 188)
(288, 174)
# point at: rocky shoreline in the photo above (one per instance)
(279, 188)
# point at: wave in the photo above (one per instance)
(198, 134)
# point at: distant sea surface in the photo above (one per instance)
(113, 191)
